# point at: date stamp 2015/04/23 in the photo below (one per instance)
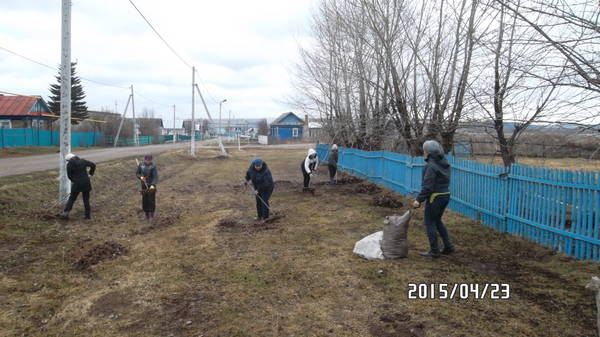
(462, 291)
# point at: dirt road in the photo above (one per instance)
(22, 165)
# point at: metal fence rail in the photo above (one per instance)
(558, 209)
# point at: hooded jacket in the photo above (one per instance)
(149, 171)
(78, 174)
(310, 165)
(261, 180)
(435, 177)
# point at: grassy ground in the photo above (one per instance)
(33, 150)
(203, 268)
(557, 163)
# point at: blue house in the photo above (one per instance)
(287, 126)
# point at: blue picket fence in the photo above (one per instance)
(35, 137)
(558, 209)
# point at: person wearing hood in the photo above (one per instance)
(435, 194)
(259, 174)
(148, 175)
(77, 171)
(332, 163)
(309, 166)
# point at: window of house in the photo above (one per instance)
(5, 124)
(295, 132)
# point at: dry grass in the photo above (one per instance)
(556, 163)
(185, 275)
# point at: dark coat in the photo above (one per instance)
(78, 174)
(436, 177)
(261, 180)
(333, 158)
(149, 171)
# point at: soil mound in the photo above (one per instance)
(386, 200)
(105, 251)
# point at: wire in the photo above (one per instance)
(57, 69)
(28, 59)
(160, 36)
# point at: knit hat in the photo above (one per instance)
(69, 156)
(433, 147)
(148, 157)
(257, 162)
(334, 147)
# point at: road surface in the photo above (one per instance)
(22, 165)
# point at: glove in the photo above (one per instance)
(256, 192)
(152, 187)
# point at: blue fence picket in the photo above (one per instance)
(35, 137)
(558, 209)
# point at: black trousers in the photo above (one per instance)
(86, 202)
(148, 200)
(332, 171)
(433, 221)
(261, 209)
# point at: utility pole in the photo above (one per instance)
(116, 140)
(229, 123)
(193, 129)
(220, 124)
(136, 139)
(65, 101)
(174, 132)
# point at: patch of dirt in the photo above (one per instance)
(386, 200)
(283, 185)
(395, 324)
(161, 222)
(249, 226)
(99, 253)
(112, 305)
(345, 179)
(368, 188)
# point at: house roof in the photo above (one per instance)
(23, 106)
(157, 122)
(288, 118)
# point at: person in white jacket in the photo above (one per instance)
(309, 166)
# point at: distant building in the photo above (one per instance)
(21, 112)
(243, 126)
(288, 126)
(173, 131)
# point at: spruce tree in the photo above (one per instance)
(78, 105)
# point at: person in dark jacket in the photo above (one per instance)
(259, 174)
(148, 175)
(77, 171)
(332, 164)
(309, 166)
(435, 194)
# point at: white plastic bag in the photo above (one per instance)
(369, 247)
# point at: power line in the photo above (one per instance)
(56, 69)
(160, 36)
(28, 59)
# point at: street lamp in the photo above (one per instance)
(220, 103)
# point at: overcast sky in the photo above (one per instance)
(244, 51)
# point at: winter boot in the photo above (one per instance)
(431, 254)
(64, 215)
(448, 250)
